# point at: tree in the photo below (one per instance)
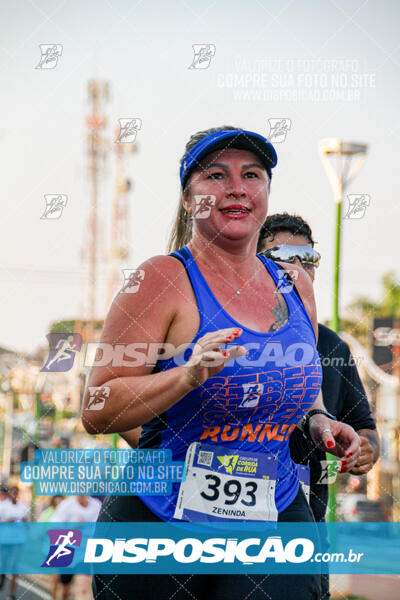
(390, 305)
(363, 309)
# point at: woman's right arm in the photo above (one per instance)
(135, 395)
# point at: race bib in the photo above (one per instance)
(227, 484)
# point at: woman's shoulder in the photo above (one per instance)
(162, 271)
(161, 262)
(157, 282)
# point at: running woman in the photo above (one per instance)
(213, 299)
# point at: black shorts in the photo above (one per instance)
(201, 587)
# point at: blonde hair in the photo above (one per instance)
(181, 232)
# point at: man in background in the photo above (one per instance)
(342, 390)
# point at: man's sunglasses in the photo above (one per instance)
(286, 253)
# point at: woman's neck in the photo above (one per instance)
(240, 257)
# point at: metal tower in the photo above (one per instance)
(119, 241)
(96, 121)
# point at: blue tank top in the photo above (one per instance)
(254, 403)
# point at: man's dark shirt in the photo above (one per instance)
(344, 396)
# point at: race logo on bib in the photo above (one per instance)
(229, 462)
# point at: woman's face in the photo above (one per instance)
(240, 185)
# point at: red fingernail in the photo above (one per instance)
(343, 470)
(330, 444)
(348, 454)
(237, 331)
(224, 353)
(230, 337)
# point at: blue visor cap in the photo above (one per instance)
(229, 138)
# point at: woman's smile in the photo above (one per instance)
(235, 211)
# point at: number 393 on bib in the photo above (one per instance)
(225, 484)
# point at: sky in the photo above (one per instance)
(330, 69)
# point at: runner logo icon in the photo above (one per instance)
(132, 280)
(251, 394)
(278, 129)
(229, 462)
(358, 204)
(204, 204)
(50, 53)
(329, 471)
(97, 397)
(55, 203)
(203, 54)
(62, 350)
(128, 129)
(62, 547)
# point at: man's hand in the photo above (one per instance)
(365, 460)
(337, 438)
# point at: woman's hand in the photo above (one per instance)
(208, 359)
(337, 438)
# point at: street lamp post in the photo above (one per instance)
(337, 157)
